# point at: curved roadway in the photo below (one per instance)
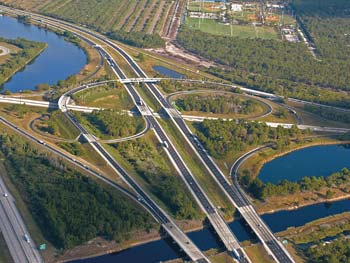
(265, 114)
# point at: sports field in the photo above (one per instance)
(244, 31)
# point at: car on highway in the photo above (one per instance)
(5, 195)
(26, 238)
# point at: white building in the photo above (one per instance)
(236, 7)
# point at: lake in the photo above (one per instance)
(60, 59)
(312, 161)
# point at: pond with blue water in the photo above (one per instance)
(58, 61)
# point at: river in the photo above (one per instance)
(58, 61)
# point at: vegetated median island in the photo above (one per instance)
(229, 104)
(111, 123)
(25, 53)
(69, 207)
(285, 68)
(147, 161)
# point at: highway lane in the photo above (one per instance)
(14, 230)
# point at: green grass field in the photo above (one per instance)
(105, 96)
(244, 31)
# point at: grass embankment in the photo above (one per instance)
(58, 125)
(150, 100)
(290, 201)
(319, 229)
(5, 256)
(310, 118)
(279, 114)
(258, 254)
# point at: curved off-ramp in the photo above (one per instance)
(266, 113)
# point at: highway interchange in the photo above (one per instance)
(233, 191)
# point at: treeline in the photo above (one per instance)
(171, 86)
(29, 50)
(328, 21)
(283, 87)
(161, 181)
(276, 59)
(222, 138)
(338, 251)
(217, 104)
(284, 68)
(262, 191)
(68, 207)
(115, 123)
(138, 39)
(329, 114)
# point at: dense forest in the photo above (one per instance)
(28, 51)
(286, 68)
(260, 190)
(222, 138)
(138, 39)
(163, 183)
(69, 208)
(112, 123)
(338, 251)
(217, 104)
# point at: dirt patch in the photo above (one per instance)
(174, 52)
(101, 246)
